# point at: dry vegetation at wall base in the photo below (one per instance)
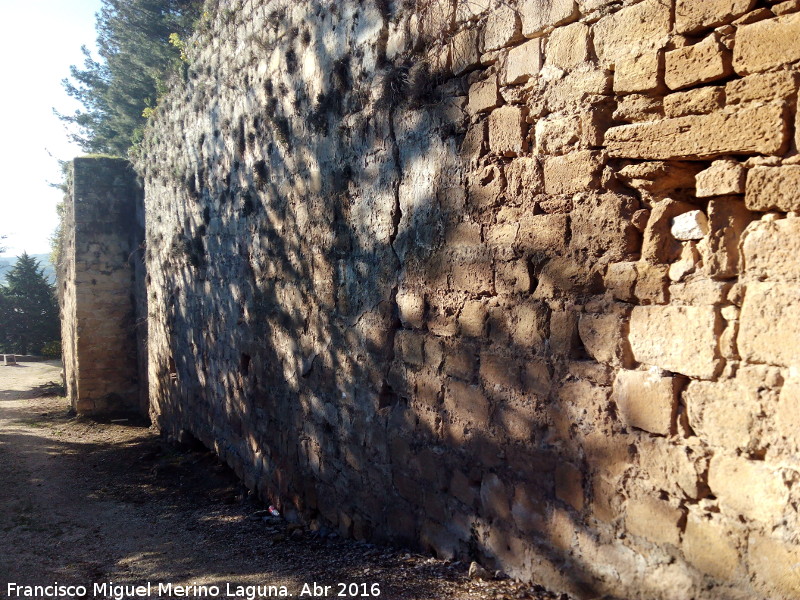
(514, 281)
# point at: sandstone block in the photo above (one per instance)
(484, 96)
(569, 485)
(464, 51)
(657, 177)
(699, 291)
(641, 73)
(773, 188)
(485, 188)
(602, 336)
(787, 413)
(523, 62)
(682, 339)
(620, 279)
(571, 173)
(722, 413)
(776, 563)
(495, 497)
(757, 129)
(647, 400)
(722, 178)
(472, 318)
(472, 275)
(464, 234)
(524, 178)
(498, 372)
(761, 87)
(544, 233)
(411, 306)
(466, 403)
(659, 245)
(707, 546)
(564, 277)
(529, 325)
(527, 510)
(568, 46)
(769, 326)
(635, 108)
(410, 347)
(700, 101)
(538, 15)
(460, 362)
(770, 250)
(512, 278)
(563, 332)
(508, 130)
(727, 220)
(692, 225)
(474, 144)
(755, 49)
(748, 488)
(654, 520)
(502, 28)
(692, 16)
(708, 60)
(632, 31)
(672, 467)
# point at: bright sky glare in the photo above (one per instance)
(39, 40)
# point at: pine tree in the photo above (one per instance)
(28, 309)
(135, 58)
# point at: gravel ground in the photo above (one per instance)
(85, 502)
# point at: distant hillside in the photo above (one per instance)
(7, 263)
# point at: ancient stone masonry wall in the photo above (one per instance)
(98, 292)
(511, 280)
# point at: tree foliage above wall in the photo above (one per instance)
(136, 59)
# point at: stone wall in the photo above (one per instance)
(102, 229)
(510, 281)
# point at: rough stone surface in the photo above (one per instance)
(759, 129)
(682, 339)
(773, 188)
(692, 225)
(756, 50)
(412, 275)
(708, 60)
(647, 400)
(722, 178)
(692, 16)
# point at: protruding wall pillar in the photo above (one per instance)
(99, 287)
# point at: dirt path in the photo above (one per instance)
(83, 502)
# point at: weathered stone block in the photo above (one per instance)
(568, 46)
(769, 327)
(508, 130)
(674, 468)
(654, 520)
(538, 15)
(495, 497)
(722, 413)
(464, 50)
(544, 233)
(727, 220)
(755, 49)
(707, 546)
(722, 178)
(682, 339)
(770, 250)
(486, 186)
(410, 347)
(523, 62)
(603, 336)
(525, 179)
(571, 173)
(757, 129)
(503, 27)
(659, 245)
(466, 403)
(497, 371)
(692, 225)
(700, 101)
(647, 400)
(773, 188)
(632, 31)
(775, 563)
(512, 278)
(762, 87)
(411, 306)
(748, 488)
(692, 16)
(569, 485)
(642, 73)
(708, 60)
(529, 325)
(484, 96)
(472, 318)
(620, 279)
(460, 362)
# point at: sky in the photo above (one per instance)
(39, 40)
